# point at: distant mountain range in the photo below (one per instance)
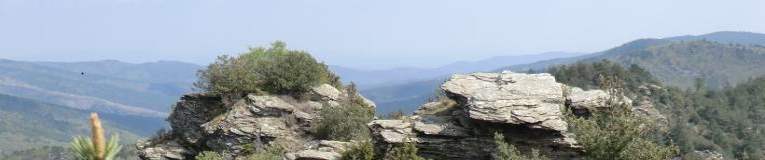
(720, 58)
(146, 89)
(46, 103)
(367, 79)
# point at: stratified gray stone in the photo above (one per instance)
(326, 92)
(535, 100)
(203, 122)
(316, 155)
(392, 131)
(592, 99)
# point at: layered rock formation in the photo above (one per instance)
(205, 123)
(526, 108)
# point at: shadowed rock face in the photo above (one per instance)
(205, 123)
(526, 108)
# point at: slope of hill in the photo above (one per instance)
(26, 123)
(46, 103)
(678, 63)
(727, 121)
(721, 58)
(726, 37)
(168, 77)
(107, 86)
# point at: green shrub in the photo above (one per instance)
(360, 151)
(272, 152)
(353, 96)
(209, 155)
(505, 151)
(274, 70)
(404, 151)
(343, 123)
(291, 72)
(617, 133)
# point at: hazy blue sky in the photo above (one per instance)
(361, 34)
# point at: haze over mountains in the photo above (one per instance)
(146, 89)
(46, 103)
(367, 79)
(57, 95)
(114, 86)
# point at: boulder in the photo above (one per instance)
(535, 100)
(315, 155)
(326, 92)
(392, 131)
(320, 150)
(706, 155)
(268, 105)
(333, 146)
(332, 96)
(588, 100)
(169, 150)
(526, 108)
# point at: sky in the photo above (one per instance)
(373, 34)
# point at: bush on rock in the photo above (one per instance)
(275, 69)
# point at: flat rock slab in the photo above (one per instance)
(535, 100)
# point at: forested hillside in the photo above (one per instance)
(748, 38)
(26, 124)
(677, 63)
(721, 58)
(729, 121)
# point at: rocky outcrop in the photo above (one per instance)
(526, 108)
(521, 99)
(587, 100)
(321, 150)
(166, 149)
(394, 131)
(705, 155)
(202, 122)
(327, 93)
